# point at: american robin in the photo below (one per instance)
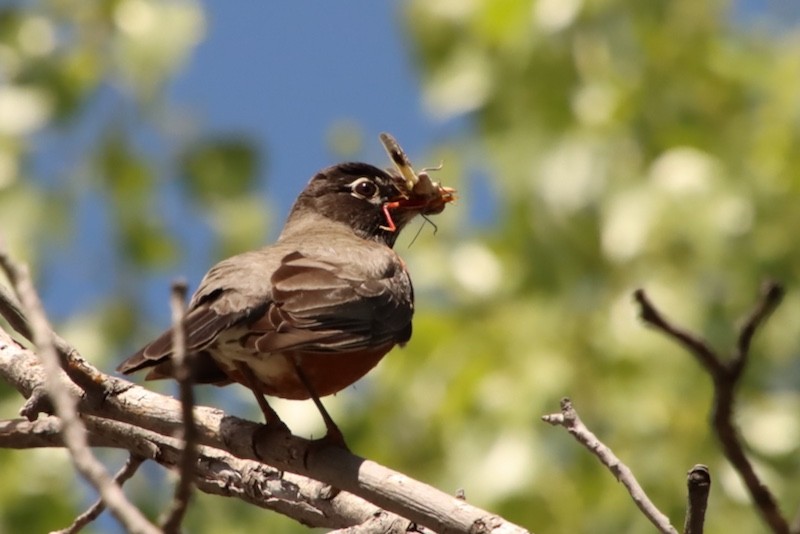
(314, 312)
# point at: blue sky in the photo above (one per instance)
(284, 72)
(281, 73)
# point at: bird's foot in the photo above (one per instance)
(333, 438)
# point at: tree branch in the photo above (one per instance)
(66, 407)
(182, 362)
(215, 472)
(725, 376)
(389, 490)
(382, 523)
(82, 374)
(698, 482)
(127, 471)
(769, 299)
(705, 355)
(569, 419)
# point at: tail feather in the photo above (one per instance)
(202, 326)
(150, 355)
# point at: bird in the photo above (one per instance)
(310, 314)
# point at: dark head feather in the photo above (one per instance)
(330, 194)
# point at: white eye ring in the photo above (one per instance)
(364, 188)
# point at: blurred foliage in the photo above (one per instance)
(621, 144)
(628, 144)
(101, 177)
(220, 168)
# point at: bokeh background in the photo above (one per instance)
(598, 146)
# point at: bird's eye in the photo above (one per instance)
(364, 188)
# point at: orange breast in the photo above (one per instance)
(328, 372)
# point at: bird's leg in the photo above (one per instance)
(333, 435)
(269, 414)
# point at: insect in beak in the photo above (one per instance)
(418, 192)
(400, 160)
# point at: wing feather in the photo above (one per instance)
(202, 325)
(308, 304)
(321, 307)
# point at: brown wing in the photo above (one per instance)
(234, 290)
(309, 304)
(202, 324)
(320, 306)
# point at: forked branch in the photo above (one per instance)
(725, 374)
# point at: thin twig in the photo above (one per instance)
(770, 298)
(182, 368)
(698, 481)
(569, 419)
(696, 345)
(85, 376)
(126, 472)
(12, 312)
(65, 404)
(725, 376)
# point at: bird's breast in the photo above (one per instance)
(327, 372)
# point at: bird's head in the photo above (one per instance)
(375, 204)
